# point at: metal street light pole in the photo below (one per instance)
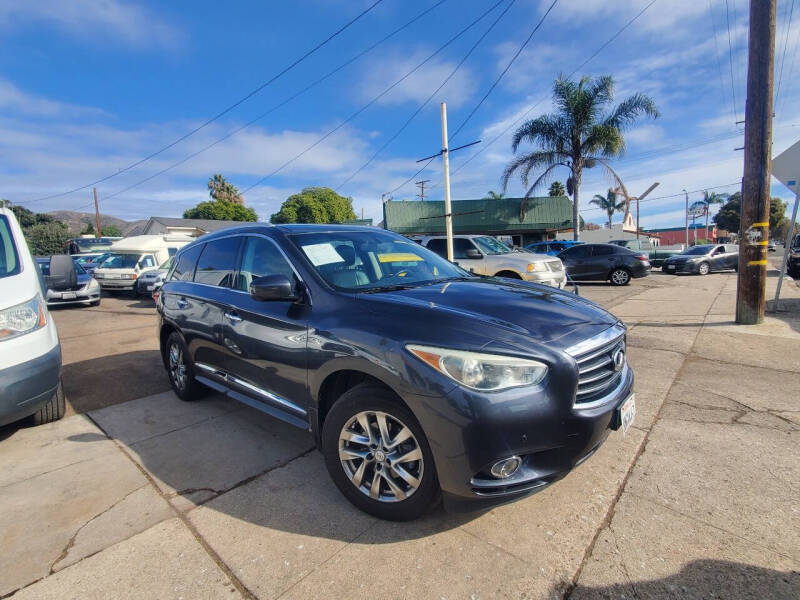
(687, 217)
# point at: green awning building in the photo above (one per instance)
(543, 217)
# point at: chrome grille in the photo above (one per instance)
(597, 374)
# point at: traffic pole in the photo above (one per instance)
(687, 217)
(754, 229)
(448, 213)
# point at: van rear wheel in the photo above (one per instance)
(180, 369)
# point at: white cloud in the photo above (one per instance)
(379, 74)
(15, 100)
(113, 20)
(662, 16)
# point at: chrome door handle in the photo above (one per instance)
(182, 303)
(233, 316)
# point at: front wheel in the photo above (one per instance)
(703, 268)
(620, 277)
(378, 456)
(53, 409)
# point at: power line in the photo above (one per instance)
(430, 97)
(730, 56)
(680, 194)
(783, 57)
(791, 64)
(284, 102)
(376, 98)
(224, 111)
(502, 74)
(532, 107)
(716, 55)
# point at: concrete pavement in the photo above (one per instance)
(153, 497)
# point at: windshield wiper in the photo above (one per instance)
(387, 288)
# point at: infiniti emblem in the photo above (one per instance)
(619, 358)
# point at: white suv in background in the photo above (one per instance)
(30, 353)
(486, 255)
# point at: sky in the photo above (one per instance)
(89, 88)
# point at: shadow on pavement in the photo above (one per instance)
(704, 579)
(787, 310)
(99, 382)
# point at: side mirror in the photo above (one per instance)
(473, 253)
(63, 275)
(273, 287)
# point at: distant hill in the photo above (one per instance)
(76, 221)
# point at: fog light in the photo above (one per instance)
(503, 469)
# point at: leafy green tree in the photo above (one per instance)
(580, 135)
(222, 190)
(315, 205)
(557, 189)
(28, 218)
(88, 230)
(609, 204)
(47, 238)
(492, 195)
(220, 210)
(111, 230)
(729, 215)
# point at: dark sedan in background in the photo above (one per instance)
(703, 259)
(604, 262)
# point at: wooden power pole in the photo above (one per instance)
(96, 214)
(754, 228)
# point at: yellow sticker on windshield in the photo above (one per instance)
(398, 257)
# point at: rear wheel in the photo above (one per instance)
(378, 456)
(620, 276)
(180, 369)
(703, 268)
(53, 409)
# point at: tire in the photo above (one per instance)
(94, 303)
(703, 268)
(373, 402)
(53, 409)
(180, 369)
(620, 276)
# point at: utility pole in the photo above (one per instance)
(448, 212)
(687, 216)
(421, 186)
(96, 213)
(754, 228)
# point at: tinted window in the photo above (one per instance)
(260, 258)
(603, 250)
(9, 261)
(576, 252)
(460, 247)
(217, 263)
(439, 246)
(184, 267)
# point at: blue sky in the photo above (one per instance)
(89, 87)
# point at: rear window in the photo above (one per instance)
(9, 259)
(186, 262)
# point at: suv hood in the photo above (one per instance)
(543, 313)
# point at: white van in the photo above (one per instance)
(130, 257)
(30, 353)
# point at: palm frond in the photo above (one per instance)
(627, 111)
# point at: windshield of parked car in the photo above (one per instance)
(698, 250)
(490, 245)
(9, 260)
(363, 261)
(120, 261)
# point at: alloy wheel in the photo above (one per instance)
(703, 269)
(177, 366)
(620, 277)
(381, 456)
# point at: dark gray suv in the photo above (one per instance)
(418, 379)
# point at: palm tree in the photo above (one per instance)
(492, 195)
(710, 198)
(580, 135)
(609, 204)
(557, 189)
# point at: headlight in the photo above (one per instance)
(92, 284)
(22, 318)
(479, 371)
(127, 276)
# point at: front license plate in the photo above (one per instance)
(627, 412)
(68, 296)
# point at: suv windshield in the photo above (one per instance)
(9, 260)
(120, 261)
(489, 245)
(373, 260)
(698, 250)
